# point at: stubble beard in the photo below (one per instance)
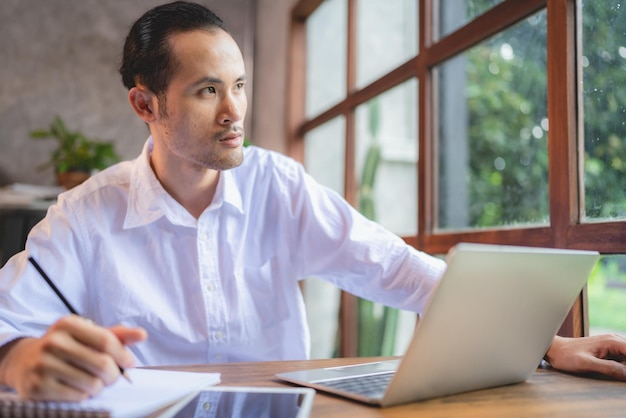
(228, 161)
(231, 160)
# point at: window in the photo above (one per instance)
(603, 67)
(492, 131)
(602, 29)
(500, 121)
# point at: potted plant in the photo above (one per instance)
(76, 156)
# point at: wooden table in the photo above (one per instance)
(547, 393)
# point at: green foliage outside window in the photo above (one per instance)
(494, 134)
(517, 193)
(606, 289)
(507, 170)
(604, 105)
(604, 101)
(505, 92)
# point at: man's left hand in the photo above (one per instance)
(596, 354)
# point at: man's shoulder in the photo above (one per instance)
(113, 179)
(261, 160)
(265, 156)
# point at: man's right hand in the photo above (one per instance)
(75, 359)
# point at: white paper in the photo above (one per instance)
(149, 391)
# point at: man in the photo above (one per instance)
(197, 243)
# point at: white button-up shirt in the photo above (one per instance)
(223, 287)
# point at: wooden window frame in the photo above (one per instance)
(565, 229)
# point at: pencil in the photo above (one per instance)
(65, 301)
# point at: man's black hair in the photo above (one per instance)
(147, 57)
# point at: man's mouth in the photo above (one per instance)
(233, 139)
(230, 137)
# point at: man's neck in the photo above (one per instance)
(192, 187)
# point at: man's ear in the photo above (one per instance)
(143, 102)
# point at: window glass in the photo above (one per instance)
(322, 300)
(493, 132)
(324, 154)
(606, 291)
(454, 14)
(603, 65)
(324, 160)
(386, 36)
(326, 32)
(386, 158)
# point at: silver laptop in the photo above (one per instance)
(488, 323)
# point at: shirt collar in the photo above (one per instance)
(228, 189)
(149, 201)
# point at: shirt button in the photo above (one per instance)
(218, 357)
(210, 287)
(219, 335)
(206, 406)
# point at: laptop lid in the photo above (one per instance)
(488, 323)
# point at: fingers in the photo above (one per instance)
(610, 368)
(89, 347)
(36, 373)
(129, 336)
(73, 360)
(53, 379)
(610, 353)
(615, 346)
(596, 354)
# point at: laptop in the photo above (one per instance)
(488, 323)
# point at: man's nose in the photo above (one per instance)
(232, 109)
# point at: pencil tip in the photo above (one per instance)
(126, 376)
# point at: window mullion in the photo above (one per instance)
(425, 168)
(562, 138)
(349, 303)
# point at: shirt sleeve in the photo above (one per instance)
(360, 256)
(28, 306)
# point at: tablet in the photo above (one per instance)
(245, 402)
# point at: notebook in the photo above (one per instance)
(488, 323)
(149, 391)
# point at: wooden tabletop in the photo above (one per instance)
(547, 393)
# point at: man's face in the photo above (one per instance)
(205, 102)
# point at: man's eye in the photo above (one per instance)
(240, 86)
(208, 90)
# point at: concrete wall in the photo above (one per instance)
(271, 43)
(60, 57)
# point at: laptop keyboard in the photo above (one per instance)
(372, 386)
